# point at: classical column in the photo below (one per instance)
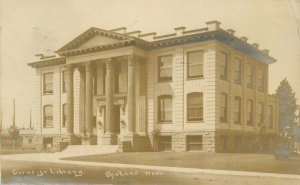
(89, 97)
(82, 99)
(131, 94)
(109, 96)
(70, 99)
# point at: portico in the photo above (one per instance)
(102, 86)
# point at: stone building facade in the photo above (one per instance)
(202, 89)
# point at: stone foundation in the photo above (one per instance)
(179, 141)
(108, 139)
(134, 143)
(245, 142)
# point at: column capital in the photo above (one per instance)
(70, 66)
(81, 68)
(88, 66)
(108, 60)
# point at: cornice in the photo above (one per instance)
(47, 63)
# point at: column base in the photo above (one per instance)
(108, 139)
(91, 140)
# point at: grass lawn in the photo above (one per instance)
(221, 161)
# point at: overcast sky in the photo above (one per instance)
(29, 27)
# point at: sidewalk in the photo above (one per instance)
(55, 158)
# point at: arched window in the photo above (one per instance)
(237, 109)
(260, 113)
(195, 106)
(223, 107)
(250, 113)
(48, 116)
(165, 108)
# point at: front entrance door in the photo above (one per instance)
(116, 120)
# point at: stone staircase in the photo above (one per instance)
(80, 150)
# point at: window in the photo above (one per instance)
(260, 113)
(261, 80)
(223, 108)
(165, 108)
(194, 143)
(270, 115)
(117, 72)
(165, 68)
(165, 143)
(249, 76)
(48, 83)
(238, 71)
(237, 110)
(250, 112)
(195, 64)
(65, 80)
(104, 79)
(224, 66)
(29, 140)
(48, 116)
(64, 123)
(195, 106)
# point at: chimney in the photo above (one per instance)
(231, 31)
(213, 25)
(265, 51)
(179, 30)
(121, 30)
(244, 39)
(255, 45)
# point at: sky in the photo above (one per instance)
(30, 27)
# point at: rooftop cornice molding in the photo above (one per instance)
(48, 62)
(152, 40)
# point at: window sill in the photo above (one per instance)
(164, 122)
(47, 127)
(195, 78)
(46, 94)
(168, 81)
(197, 121)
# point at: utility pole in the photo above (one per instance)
(30, 120)
(14, 116)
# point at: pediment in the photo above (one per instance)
(96, 40)
(92, 38)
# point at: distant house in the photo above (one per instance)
(191, 90)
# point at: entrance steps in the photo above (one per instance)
(78, 150)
